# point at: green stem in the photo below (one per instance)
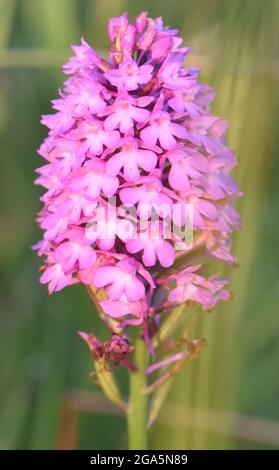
(138, 402)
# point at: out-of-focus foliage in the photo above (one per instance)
(236, 43)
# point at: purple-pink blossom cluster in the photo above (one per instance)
(137, 128)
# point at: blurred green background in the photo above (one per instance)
(229, 397)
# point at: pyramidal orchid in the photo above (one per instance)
(135, 162)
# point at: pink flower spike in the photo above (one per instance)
(137, 184)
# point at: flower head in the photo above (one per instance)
(136, 128)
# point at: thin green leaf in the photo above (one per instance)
(109, 385)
